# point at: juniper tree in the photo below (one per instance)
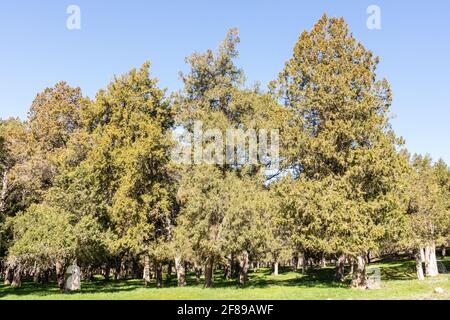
(3, 161)
(442, 173)
(34, 145)
(247, 222)
(42, 238)
(54, 115)
(331, 86)
(3, 152)
(126, 170)
(428, 214)
(15, 195)
(3, 167)
(214, 95)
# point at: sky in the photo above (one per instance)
(37, 49)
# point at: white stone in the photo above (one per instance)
(439, 290)
(73, 282)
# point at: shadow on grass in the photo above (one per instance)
(394, 269)
(261, 279)
(446, 263)
(400, 269)
(97, 286)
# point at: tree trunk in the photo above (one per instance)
(209, 273)
(36, 275)
(198, 272)
(227, 272)
(8, 276)
(137, 271)
(123, 268)
(46, 277)
(181, 271)
(59, 274)
(234, 267)
(275, 268)
(169, 269)
(159, 275)
(359, 277)
(227, 268)
(146, 272)
(89, 274)
(340, 268)
(350, 261)
(443, 251)
(295, 263)
(431, 269)
(304, 262)
(4, 191)
(300, 262)
(107, 273)
(17, 277)
(419, 266)
(243, 268)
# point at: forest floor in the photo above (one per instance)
(397, 282)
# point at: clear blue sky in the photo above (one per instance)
(37, 49)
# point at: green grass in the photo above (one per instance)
(398, 282)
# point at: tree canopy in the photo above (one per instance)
(94, 181)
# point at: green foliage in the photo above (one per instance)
(42, 235)
(222, 214)
(3, 153)
(54, 115)
(93, 181)
(346, 162)
(132, 153)
(317, 284)
(428, 202)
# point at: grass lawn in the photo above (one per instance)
(397, 282)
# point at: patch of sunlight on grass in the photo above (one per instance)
(398, 282)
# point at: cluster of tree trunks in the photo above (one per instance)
(3, 191)
(243, 267)
(340, 268)
(13, 274)
(209, 270)
(60, 270)
(237, 267)
(426, 260)
(359, 277)
(180, 268)
(146, 275)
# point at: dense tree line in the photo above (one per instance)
(92, 180)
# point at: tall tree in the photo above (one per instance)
(35, 145)
(428, 214)
(15, 155)
(127, 170)
(33, 164)
(214, 96)
(54, 115)
(331, 86)
(442, 172)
